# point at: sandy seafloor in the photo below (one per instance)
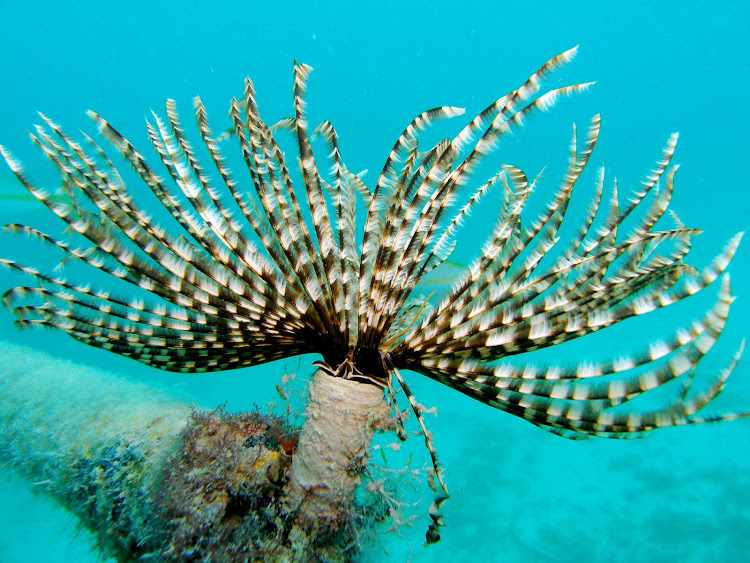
(518, 494)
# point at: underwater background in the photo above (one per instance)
(517, 493)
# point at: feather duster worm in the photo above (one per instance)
(251, 272)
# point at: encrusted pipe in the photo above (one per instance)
(93, 440)
(153, 478)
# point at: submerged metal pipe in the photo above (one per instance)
(151, 477)
(94, 441)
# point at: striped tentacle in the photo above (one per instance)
(513, 99)
(619, 267)
(543, 231)
(327, 245)
(382, 198)
(444, 246)
(108, 241)
(591, 213)
(424, 232)
(216, 214)
(77, 167)
(171, 259)
(84, 298)
(210, 312)
(307, 279)
(652, 214)
(652, 178)
(301, 300)
(180, 213)
(143, 313)
(503, 332)
(638, 261)
(448, 237)
(505, 227)
(150, 280)
(651, 258)
(183, 257)
(681, 248)
(522, 295)
(647, 185)
(688, 344)
(499, 112)
(217, 236)
(564, 398)
(411, 194)
(249, 129)
(592, 281)
(302, 256)
(389, 271)
(436, 516)
(558, 306)
(658, 207)
(462, 302)
(351, 257)
(403, 190)
(343, 193)
(625, 279)
(109, 328)
(206, 199)
(173, 358)
(145, 333)
(614, 424)
(573, 420)
(340, 289)
(495, 339)
(414, 192)
(442, 192)
(103, 301)
(133, 309)
(610, 225)
(584, 297)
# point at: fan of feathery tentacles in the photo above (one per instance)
(249, 278)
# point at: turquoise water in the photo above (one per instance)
(519, 494)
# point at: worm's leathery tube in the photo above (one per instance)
(333, 448)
